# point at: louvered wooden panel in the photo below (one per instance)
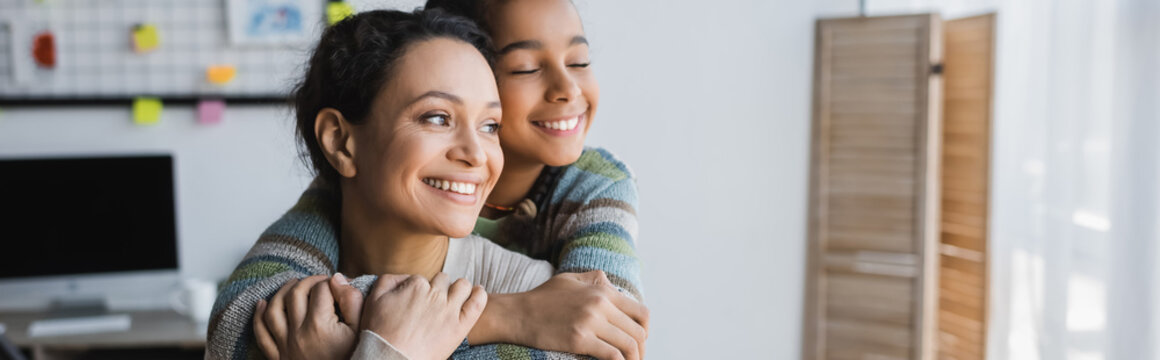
(874, 191)
(969, 44)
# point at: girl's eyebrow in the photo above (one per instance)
(537, 45)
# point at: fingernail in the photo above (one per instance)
(341, 279)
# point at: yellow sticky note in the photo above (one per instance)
(220, 74)
(336, 11)
(146, 110)
(145, 38)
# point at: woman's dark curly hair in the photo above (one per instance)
(355, 58)
(476, 10)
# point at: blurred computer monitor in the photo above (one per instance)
(84, 229)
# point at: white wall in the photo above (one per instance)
(707, 102)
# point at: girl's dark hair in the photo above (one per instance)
(355, 58)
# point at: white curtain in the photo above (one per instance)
(1075, 221)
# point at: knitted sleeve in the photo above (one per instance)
(594, 220)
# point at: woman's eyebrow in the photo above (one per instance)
(449, 97)
(537, 45)
(438, 94)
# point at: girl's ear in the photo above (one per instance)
(336, 138)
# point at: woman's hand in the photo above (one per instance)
(423, 320)
(581, 313)
(300, 321)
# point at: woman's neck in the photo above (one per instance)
(515, 182)
(375, 247)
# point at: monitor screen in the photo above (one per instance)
(86, 215)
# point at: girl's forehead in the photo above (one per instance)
(517, 20)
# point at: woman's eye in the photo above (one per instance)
(491, 127)
(436, 119)
(580, 65)
(525, 72)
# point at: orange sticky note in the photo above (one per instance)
(146, 110)
(145, 38)
(220, 74)
(336, 11)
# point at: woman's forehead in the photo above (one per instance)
(441, 64)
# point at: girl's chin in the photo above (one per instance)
(562, 157)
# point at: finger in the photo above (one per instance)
(627, 325)
(458, 292)
(350, 300)
(387, 282)
(637, 311)
(321, 305)
(262, 334)
(276, 313)
(441, 282)
(414, 284)
(603, 350)
(624, 343)
(473, 307)
(296, 302)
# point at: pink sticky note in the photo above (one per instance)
(209, 112)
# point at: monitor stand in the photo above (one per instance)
(78, 306)
(79, 315)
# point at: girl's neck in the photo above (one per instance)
(375, 247)
(515, 182)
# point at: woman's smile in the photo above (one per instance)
(459, 190)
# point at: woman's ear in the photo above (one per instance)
(336, 138)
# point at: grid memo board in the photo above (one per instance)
(95, 61)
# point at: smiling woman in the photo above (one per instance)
(435, 120)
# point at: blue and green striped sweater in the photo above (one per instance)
(586, 220)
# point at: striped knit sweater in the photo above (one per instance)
(586, 220)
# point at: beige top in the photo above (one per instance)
(481, 262)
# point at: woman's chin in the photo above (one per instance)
(460, 231)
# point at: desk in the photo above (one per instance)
(159, 330)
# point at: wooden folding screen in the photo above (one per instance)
(874, 194)
(967, 80)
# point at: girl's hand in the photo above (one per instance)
(300, 321)
(423, 320)
(580, 313)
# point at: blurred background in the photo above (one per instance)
(880, 179)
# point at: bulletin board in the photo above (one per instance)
(99, 57)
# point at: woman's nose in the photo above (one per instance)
(468, 149)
